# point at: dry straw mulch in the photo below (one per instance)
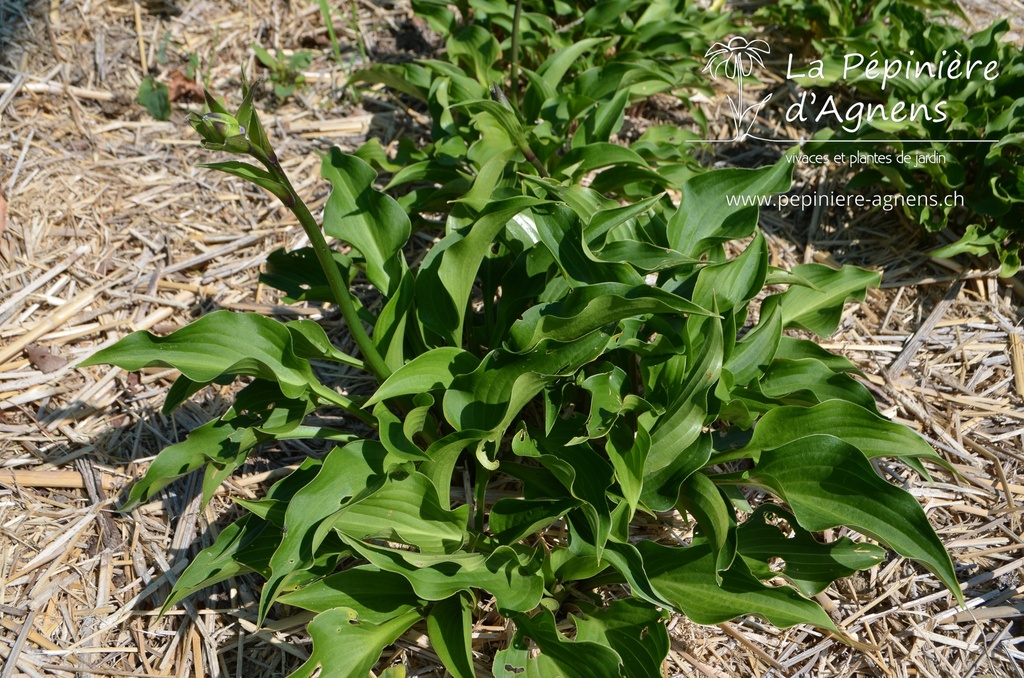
(107, 226)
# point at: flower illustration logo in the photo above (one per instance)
(735, 60)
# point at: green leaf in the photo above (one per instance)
(705, 218)
(751, 354)
(348, 473)
(252, 174)
(512, 576)
(673, 455)
(450, 629)
(819, 309)
(371, 221)
(734, 282)
(769, 551)
(489, 397)
(633, 629)
(513, 519)
(345, 645)
(155, 98)
(579, 161)
(713, 513)
(475, 46)
(560, 656)
(687, 577)
(221, 343)
(812, 380)
(221, 561)
(260, 411)
(872, 434)
(374, 595)
(310, 341)
(553, 69)
(829, 482)
(431, 371)
(405, 510)
(585, 309)
(446, 276)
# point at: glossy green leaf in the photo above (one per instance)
(714, 515)
(450, 629)
(514, 519)
(674, 454)
(446, 276)
(345, 645)
(687, 577)
(369, 220)
(405, 509)
(769, 551)
(872, 434)
(585, 309)
(219, 344)
(829, 482)
(812, 381)
(819, 310)
(310, 341)
(431, 371)
(734, 282)
(218, 562)
(706, 218)
(252, 174)
(560, 656)
(376, 596)
(634, 630)
(348, 473)
(512, 576)
(488, 397)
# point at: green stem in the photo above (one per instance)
(324, 256)
(483, 477)
(514, 85)
(346, 404)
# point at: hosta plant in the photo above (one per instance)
(588, 416)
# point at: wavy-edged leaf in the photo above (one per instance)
(805, 562)
(734, 282)
(310, 341)
(560, 656)
(687, 577)
(513, 519)
(633, 629)
(348, 473)
(828, 482)
(812, 381)
(489, 396)
(445, 279)
(375, 595)
(371, 221)
(585, 309)
(714, 515)
(219, 344)
(260, 411)
(431, 371)
(450, 629)
(705, 218)
(345, 645)
(677, 447)
(407, 510)
(871, 433)
(512, 576)
(819, 309)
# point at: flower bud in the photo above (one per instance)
(221, 132)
